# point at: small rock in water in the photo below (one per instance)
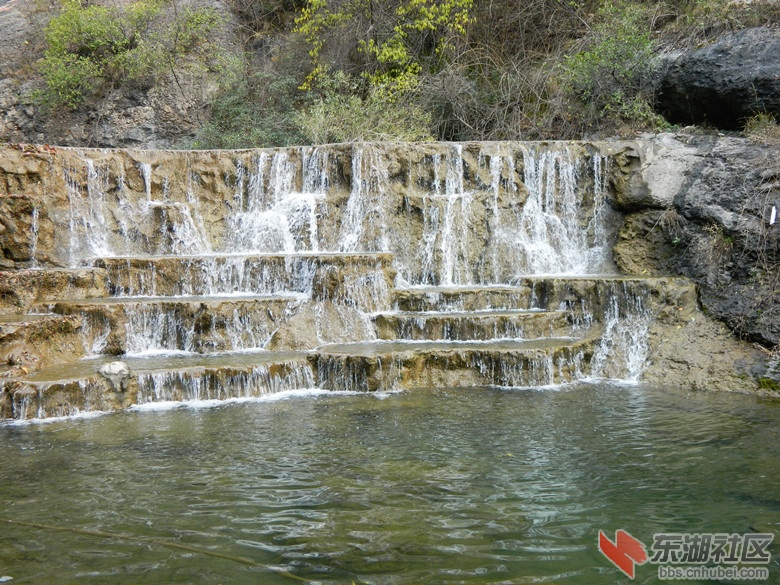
(117, 373)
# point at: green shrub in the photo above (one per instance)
(763, 128)
(341, 115)
(396, 40)
(92, 46)
(254, 110)
(769, 384)
(68, 78)
(607, 78)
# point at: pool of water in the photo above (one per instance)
(470, 485)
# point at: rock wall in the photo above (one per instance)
(701, 207)
(724, 83)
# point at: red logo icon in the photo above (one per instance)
(624, 553)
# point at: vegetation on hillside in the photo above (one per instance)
(313, 71)
(92, 46)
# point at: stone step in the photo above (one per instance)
(200, 324)
(22, 289)
(11, 322)
(99, 385)
(391, 365)
(584, 295)
(70, 389)
(462, 298)
(29, 342)
(361, 280)
(472, 325)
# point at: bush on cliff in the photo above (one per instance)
(340, 114)
(609, 77)
(90, 47)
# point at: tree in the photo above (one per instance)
(389, 43)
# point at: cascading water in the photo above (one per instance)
(206, 254)
(198, 385)
(623, 348)
(88, 238)
(539, 210)
(364, 225)
(446, 224)
(455, 226)
(146, 173)
(272, 214)
(559, 230)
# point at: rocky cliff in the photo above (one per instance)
(724, 83)
(706, 207)
(702, 207)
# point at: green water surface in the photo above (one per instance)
(467, 485)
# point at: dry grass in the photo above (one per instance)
(763, 129)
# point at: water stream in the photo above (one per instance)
(471, 232)
(445, 486)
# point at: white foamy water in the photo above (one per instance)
(459, 215)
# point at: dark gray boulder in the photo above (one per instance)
(725, 83)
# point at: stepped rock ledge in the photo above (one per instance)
(380, 266)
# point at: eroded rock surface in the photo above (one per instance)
(703, 210)
(726, 82)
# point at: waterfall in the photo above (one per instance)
(426, 265)
(560, 232)
(446, 224)
(622, 351)
(260, 224)
(273, 216)
(470, 231)
(210, 384)
(87, 221)
(502, 234)
(146, 173)
(364, 221)
(540, 210)
(153, 330)
(455, 228)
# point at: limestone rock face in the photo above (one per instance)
(29, 342)
(650, 173)
(702, 209)
(320, 323)
(726, 82)
(720, 362)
